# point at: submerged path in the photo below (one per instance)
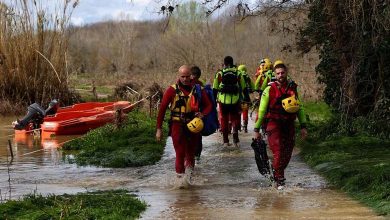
(227, 185)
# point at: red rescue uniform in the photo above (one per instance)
(183, 140)
(280, 127)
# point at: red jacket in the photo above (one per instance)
(169, 96)
(275, 109)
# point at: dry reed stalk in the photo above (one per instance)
(33, 42)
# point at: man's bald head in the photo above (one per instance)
(184, 74)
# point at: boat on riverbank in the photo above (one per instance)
(77, 119)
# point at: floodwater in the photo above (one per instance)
(226, 182)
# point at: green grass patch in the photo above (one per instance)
(357, 164)
(132, 145)
(318, 111)
(87, 87)
(117, 204)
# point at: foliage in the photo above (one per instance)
(188, 17)
(116, 204)
(325, 121)
(353, 37)
(358, 165)
(156, 49)
(127, 91)
(353, 159)
(33, 46)
(132, 145)
(317, 111)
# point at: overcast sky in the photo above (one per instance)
(89, 11)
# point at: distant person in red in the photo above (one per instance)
(178, 98)
(195, 77)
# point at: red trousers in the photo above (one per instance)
(245, 116)
(232, 113)
(281, 140)
(185, 143)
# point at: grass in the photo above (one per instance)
(117, 204)
(132, 145)
(359, 164)
(101, 89)
(318, 111)
(105, 85)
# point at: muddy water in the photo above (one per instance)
(226, 185)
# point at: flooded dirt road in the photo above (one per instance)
(226, 185)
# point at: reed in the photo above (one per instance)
(33, 45)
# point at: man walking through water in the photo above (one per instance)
(279, 107)
(185, 122)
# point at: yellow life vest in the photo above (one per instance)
(181, 106)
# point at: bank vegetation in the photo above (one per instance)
(44, 57)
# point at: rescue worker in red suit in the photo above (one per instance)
(178, 98)
(228, 85)
(262, 78)
(279, 117)
(246, 100)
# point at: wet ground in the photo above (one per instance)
(226, 185)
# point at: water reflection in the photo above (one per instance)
(29, 146)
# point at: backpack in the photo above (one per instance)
(210, 120)
(229, 82)
(248, 88)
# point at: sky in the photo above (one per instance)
(90, 11)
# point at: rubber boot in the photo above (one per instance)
(225, 139)
(245, 126)
(235, 139)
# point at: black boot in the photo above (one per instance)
(235, 139)
(245, 126)
(225, 139)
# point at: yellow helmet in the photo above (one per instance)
(195, 125)
(242, 67)
(290, 104)
(267, 65)
(266, 68)
(266, 61)
(279, 62)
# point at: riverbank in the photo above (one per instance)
(131, 145)
(358, 164)
(115, 204)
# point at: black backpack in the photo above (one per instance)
(230, 81)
